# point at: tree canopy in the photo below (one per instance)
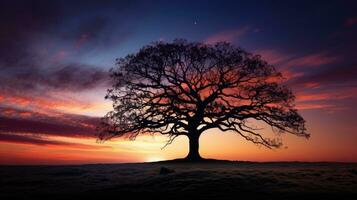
(187, 88)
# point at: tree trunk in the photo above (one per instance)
(194, 154)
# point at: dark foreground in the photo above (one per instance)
(213, 180)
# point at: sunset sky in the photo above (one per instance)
(55, 57)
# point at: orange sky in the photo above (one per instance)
(327, 143)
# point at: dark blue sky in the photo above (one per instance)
(113, 28)
(47, 40)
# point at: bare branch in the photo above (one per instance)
(184, 88)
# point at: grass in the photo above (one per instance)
(203, 180)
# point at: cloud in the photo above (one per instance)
(287, 60)
(336, 76)
(316, 79)
(35, 72)
(36, 140)
(351, 21)
(273, 56)
(297, 69)
(96, 33)
(227, 36)
(63, 87)
(312, 60)
(44, 49)
(43, 127)
(328, 89)
(55, 102)
(41, 48)
(73, 77)
(321, 102)
(325, 98)
(311, 106)
(61, 124)
(41, 28)
(36, 128)
(17, 30)
(321, 96)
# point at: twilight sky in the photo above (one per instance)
(55, 57)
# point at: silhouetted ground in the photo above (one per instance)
(181, 180)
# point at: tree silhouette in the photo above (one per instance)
(184, 88)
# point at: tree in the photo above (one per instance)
(184, 88)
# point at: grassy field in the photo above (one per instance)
(213, 180)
